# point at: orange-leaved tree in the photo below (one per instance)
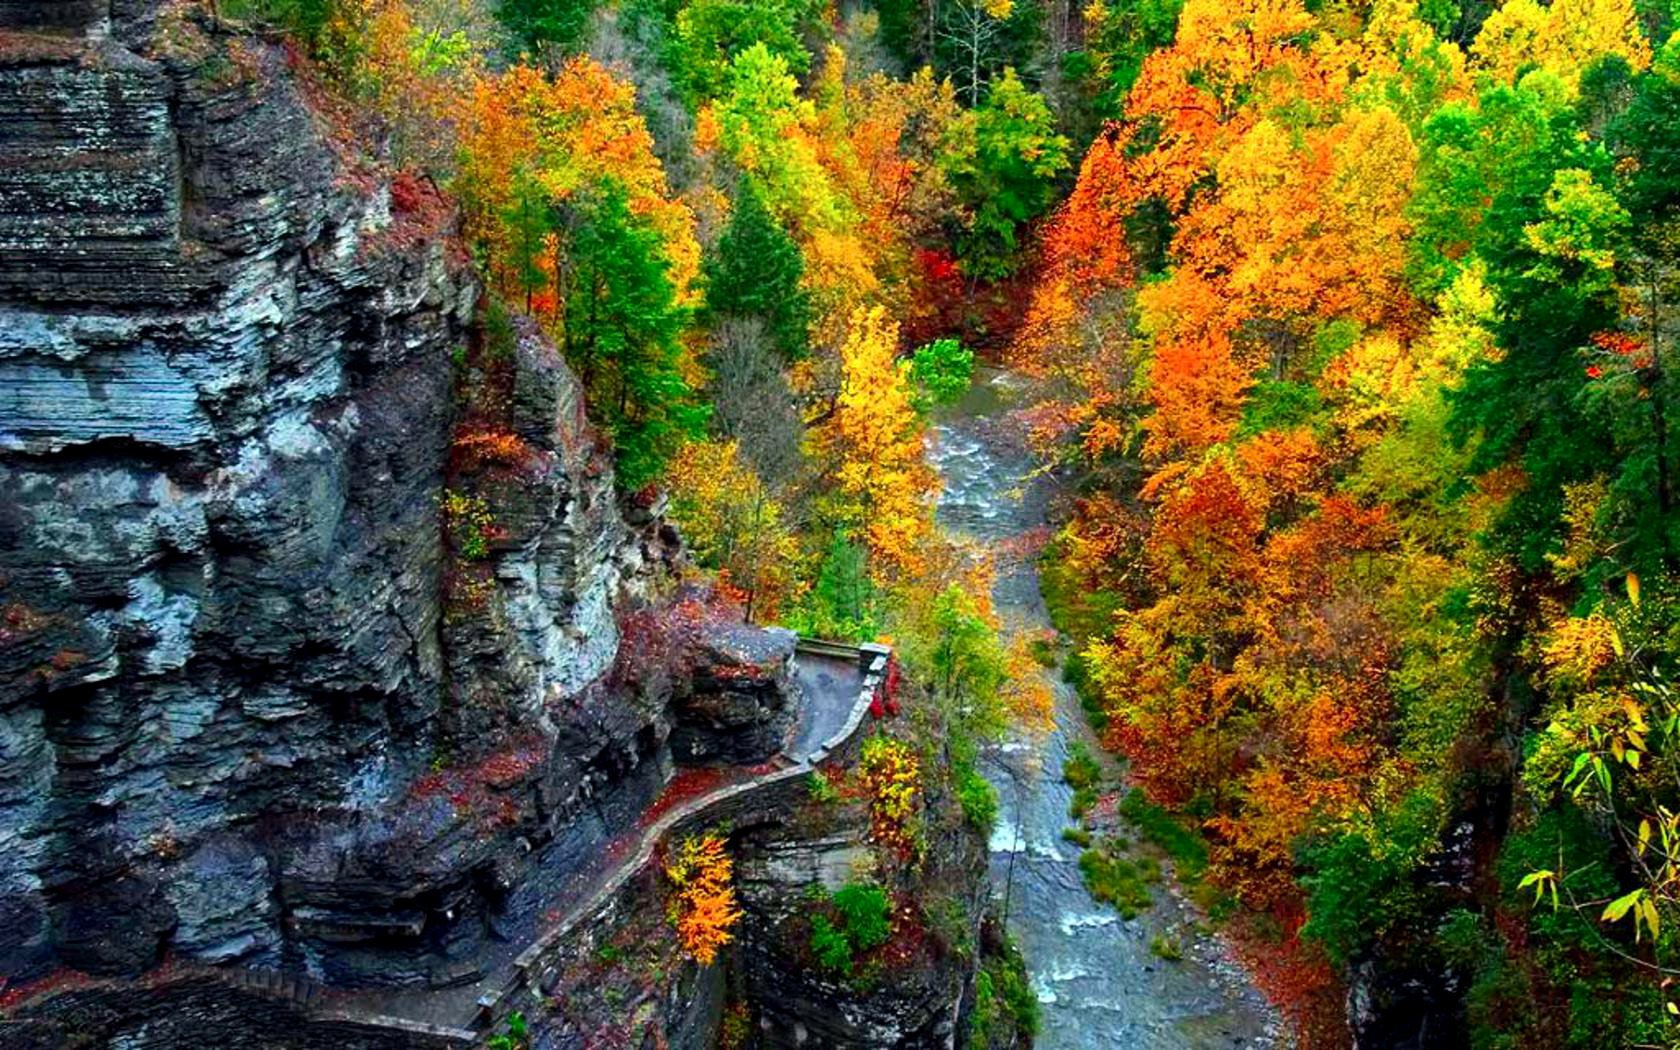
(702, 902)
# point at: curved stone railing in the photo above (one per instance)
(536, 965)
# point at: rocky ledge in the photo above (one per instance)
(322, 684)
(240, 717)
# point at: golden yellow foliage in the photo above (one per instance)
(1562, 39)
(702, 906)
(732, 524)
(872, 448)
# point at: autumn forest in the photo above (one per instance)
(1347, 333)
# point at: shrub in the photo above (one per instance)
(1163, 947)
(1117, 880)
(469, 524)
(1188, 850)
(736, 1027)
(482, 447)
(517, 1036)
(1084, 775)
(862, 910)
(941, 372)
(702, 906)
(977, 797)
(1004, 1000)
(1083, 799)
(830, 945)
(822, 788)
(891, 776)
(1045, 650)
(949, 920)
(863, 906)
(1079, 769)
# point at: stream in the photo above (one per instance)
(1097, 980)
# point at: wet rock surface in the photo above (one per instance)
(279, 764)
(919, 1003)
(200, 1011)
(741, 698)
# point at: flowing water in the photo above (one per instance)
(1098, 981)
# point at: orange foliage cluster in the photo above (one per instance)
(529, 140)
(702, 902)
(478, 448)
(1251, 668)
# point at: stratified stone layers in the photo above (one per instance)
(228, 668)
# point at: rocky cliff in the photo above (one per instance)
(332, 669)
(229, 662)
(616, 976)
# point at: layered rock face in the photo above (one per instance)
(618, 976)
(229, 663)
(920, 1002)
(736, 707)
(285, 759)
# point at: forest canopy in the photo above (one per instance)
(1351, 331)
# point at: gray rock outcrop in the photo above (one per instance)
(326, 683)
(738, 706)
(233, 693)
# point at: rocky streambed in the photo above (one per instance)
(1098, 980)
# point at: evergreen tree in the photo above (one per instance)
(539, 24)
(755, 271)
(622, 327)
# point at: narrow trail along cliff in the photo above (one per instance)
(1097, 980)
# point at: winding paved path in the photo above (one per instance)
(837, 684)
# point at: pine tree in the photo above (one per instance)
(755, 271)
(622, 327)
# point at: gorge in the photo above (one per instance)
(578, 524)
(280, 759)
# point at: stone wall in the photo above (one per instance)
(201, 1011)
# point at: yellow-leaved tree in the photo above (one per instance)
(733, 524)
(871, 450)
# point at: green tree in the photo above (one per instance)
(755, 271)
(941, 372)
(1514, 182)
(842, 604)
(1003, 160)
(307, 18)
(1118, 37)
(528, 219)
(952, 648)
(1483, 169)
(622, 326)
(1645, 134)
(711, 33)
(538, 25)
